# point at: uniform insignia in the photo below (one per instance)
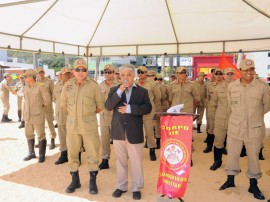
(69, 87)
(248, 62)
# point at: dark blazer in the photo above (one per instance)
(128, 125)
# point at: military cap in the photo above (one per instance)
(152, 73)
(143, 68)
(246, 64)
(65, 70)
(58, 73)
(109, 67)
(29, 72)
(180, 69)
(201, 74)
(80, 63)
(40, 69)
(6, 74)
(228, 70)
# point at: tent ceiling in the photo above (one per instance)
(135, 27)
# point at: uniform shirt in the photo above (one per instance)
(61, 115)
(163, 97)
(183, 94)
(19, 88)
(220, 110)
(202, 91)
(105, 115)
(36, 99)
(5, 88)
(209, 93)
(81, 103)
(153, 92)
(48, 83)
(247, 106)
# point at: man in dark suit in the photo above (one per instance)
(129, 103)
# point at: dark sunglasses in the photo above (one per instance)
(150, 75)
(219, 74)
(107, 72)
(41, 72)
(140, 72)
(160, 79)
(181, 72)
(80, 70)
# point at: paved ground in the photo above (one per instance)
(31, 181)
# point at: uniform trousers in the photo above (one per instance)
(134, 152)
(157, 128)
(91, 144)
(5, 102)
(234, 149)
(62, 131)
(39, 128)
(49, 117)
(19, 102)
(200, 110)
(105, 137)
(148, 125)
(220, 136)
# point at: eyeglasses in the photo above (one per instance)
(80, 70)
(107, 72)
(160, 79)
(219, 74)
(140, 72)
(183, 72)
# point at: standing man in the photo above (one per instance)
(19, 89)
(183, 91)
(219, 103)
(200, 85)
(36, 97)
(154, 96)
(129, 103)
(81, 98)
(61, 114)
(106, 116)
(117, 74)
(48, 83)
(210, 115)
(4, 94)
(248, 101)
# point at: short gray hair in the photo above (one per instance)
(127, 66)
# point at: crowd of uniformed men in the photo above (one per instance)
(234, 112)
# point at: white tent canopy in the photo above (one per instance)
(135, 27)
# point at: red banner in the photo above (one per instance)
(175, 155)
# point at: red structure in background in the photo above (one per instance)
(206, 63)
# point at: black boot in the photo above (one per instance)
(254, 189)
(261, 157)
(217, 158)
(56, 125)
(158, 143)
(5, 119)
(104, 164)
(152, 153)
(243, 151)
(92, 183)
(210, 141)
(199, 128)
(42, 150)
(229, 183)
(20, 115)
(31, 154)
(21, 125)
(75, 183)
(62, 159)
(206, 139)
(52, 146)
